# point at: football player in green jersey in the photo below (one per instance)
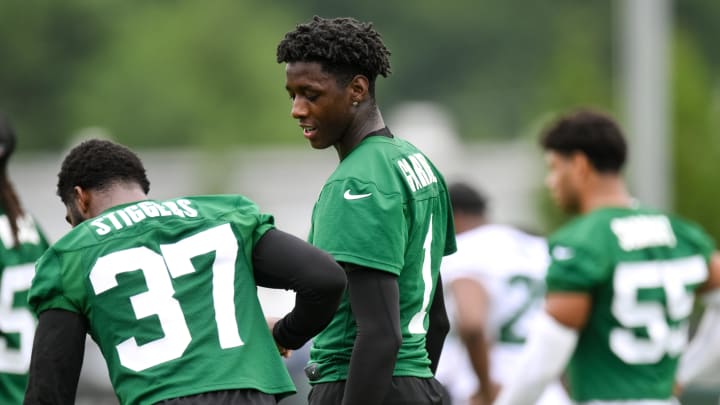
(384, 214)
(621, 283)
(21, 244)
(168, 291)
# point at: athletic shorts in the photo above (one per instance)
(404, 391)
(226, 397)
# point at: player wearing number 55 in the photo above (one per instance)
(621, 282)
(384, 214)
(21, 244)
(167, 289)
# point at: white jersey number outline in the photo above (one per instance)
(16, 320)
(674, 277)
(417, 322)
(158, 270)
(533, 290)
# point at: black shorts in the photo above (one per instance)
(226, 397)
(404, 391)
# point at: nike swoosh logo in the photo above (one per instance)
(349, 196)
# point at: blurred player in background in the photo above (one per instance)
(495, 286)
(21, 244)
(384, 214)
(621, 283)
(167, 289)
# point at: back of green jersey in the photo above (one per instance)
(17, 322)
(641, 268)
(385, 207)
(170, 296)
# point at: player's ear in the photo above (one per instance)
(83, 198)
(582, 164)
(359, 87)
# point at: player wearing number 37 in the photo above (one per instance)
(621, 282)
(167, 289)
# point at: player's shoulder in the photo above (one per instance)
(687, 230)
(220, 202)
(76, 238)
(390, 166)
(584, 228)
(381, 151)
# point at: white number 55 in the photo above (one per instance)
(16, 319)
(674, 277)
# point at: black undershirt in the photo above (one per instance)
(375, 303)
(385, 131)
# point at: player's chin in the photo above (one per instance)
(319, 143)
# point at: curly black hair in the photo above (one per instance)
(593, 133)
(96, 164)
(343, 46)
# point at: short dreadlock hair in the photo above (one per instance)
(343, 46)
(96, 164)
(592, 133)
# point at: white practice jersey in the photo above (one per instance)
(511, 265)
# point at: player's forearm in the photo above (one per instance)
(375, 302)
(539, 365)
(316, 301)
(371, 370)
(56, 358)
(478, 352)
(317, 279)
(438, 329)
(308, 318)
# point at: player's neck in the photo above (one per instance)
(605, 191)
(116, 195)
(365, 122)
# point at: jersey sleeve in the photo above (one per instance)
(701, 240)
(451, 244)
(361, 225)
(248, 218)
(47, 290)
(574, 268)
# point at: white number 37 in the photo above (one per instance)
(158, 270)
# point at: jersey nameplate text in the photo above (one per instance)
(135, 213)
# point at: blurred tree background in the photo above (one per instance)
(182, 73)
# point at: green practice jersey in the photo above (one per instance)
(17, 322)
(169, 293)
(385, 207)
(641, 268)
